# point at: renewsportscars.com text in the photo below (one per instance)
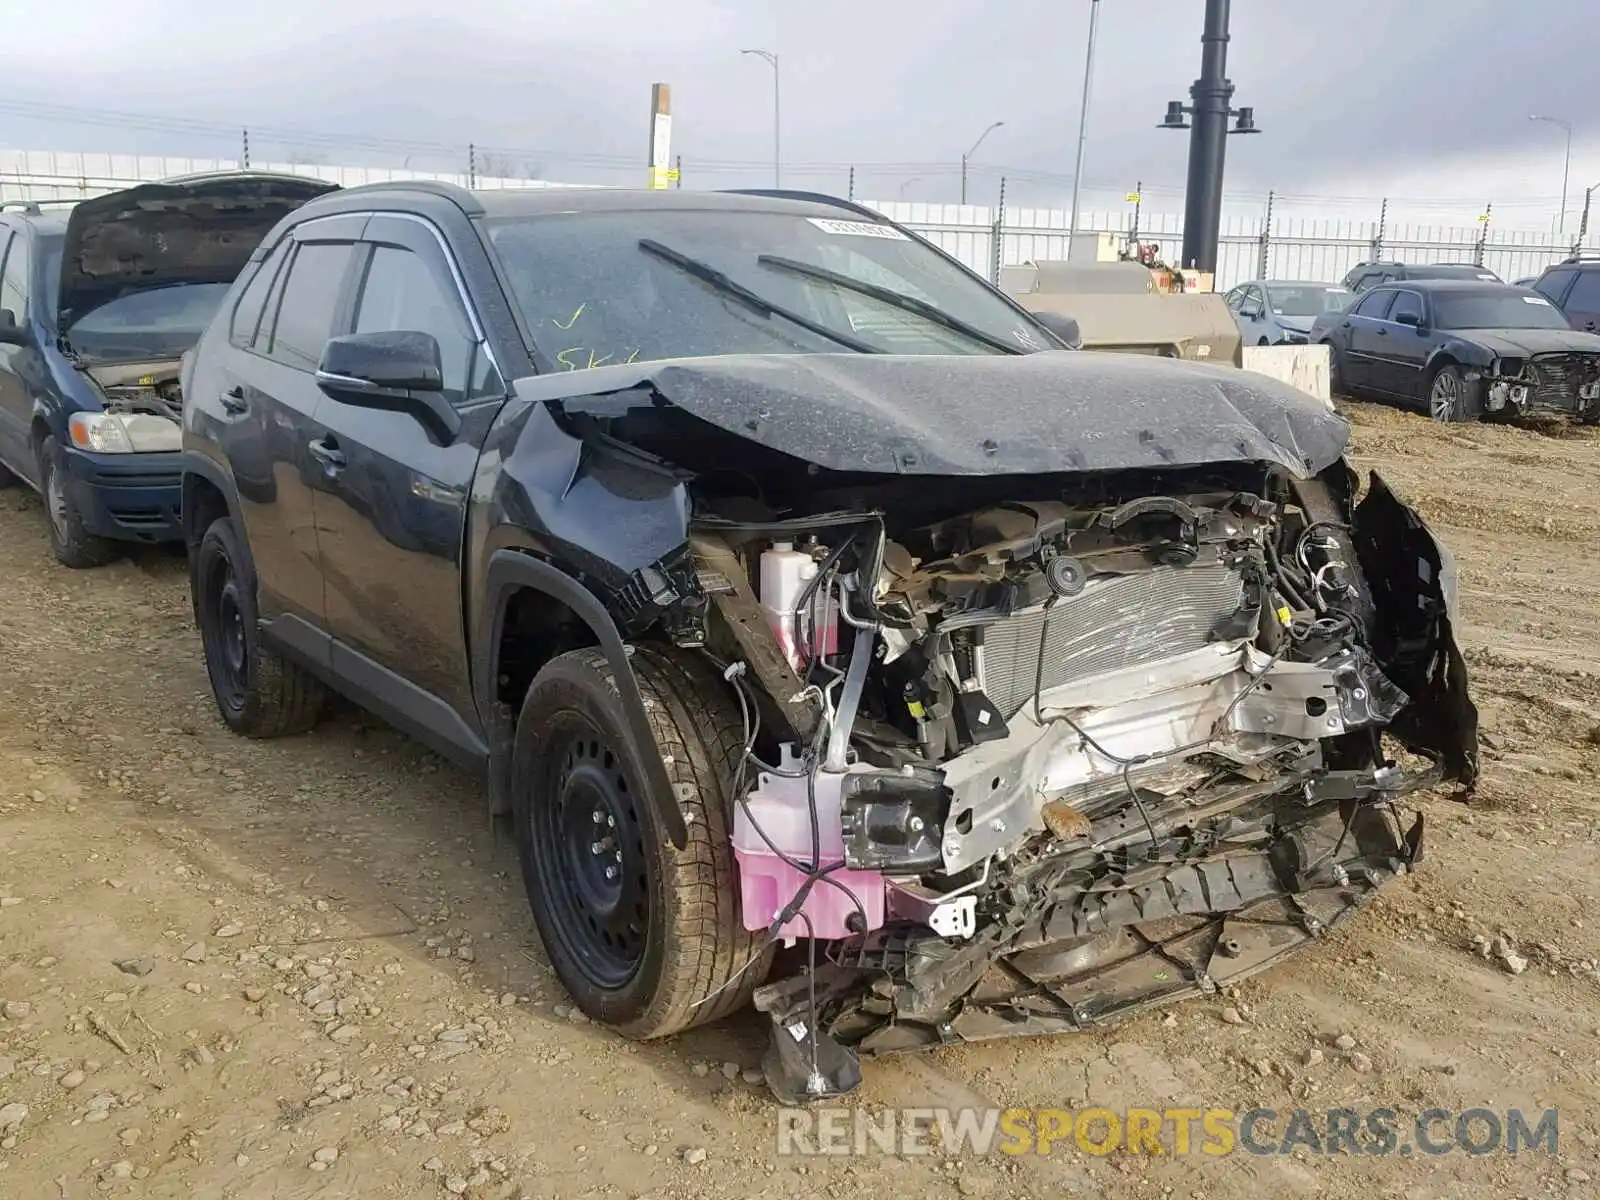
(1167, 1131)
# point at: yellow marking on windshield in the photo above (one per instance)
(572, 320)
(630, 358)
(595, 362)
(562, 358)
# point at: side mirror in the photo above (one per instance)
(395, 371)
(12, 334)
(1064, 327)
(1250, 311)
(1406, 318)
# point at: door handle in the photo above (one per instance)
(1383, 333)
(233, 401)
(326, 451)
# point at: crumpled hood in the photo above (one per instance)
(198, 229)
(1298, 324)
(976, 415)
(1520, 343)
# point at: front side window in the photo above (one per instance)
(402, 293)
(1553, 284)
(309, 303)
(600, 288)
(1409, 304)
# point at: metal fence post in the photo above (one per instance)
(245, 140)
(1583, 221)
(1266, 239)
(1383, 224)
(1483, 233)
(851, 194)
(472, 166)
(997, 236)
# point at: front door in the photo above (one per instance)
(391, 515)
(1362, 327)
(1406, 346)
(267, 394)
(18, 364)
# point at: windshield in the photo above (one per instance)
(1502, 308)
(1308, 299)
(592, 295)
(161, 323)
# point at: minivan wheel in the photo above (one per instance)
(648, 939)
(72, 545)
(259, 693)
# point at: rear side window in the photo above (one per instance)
(247, 314)
(1374, 305)
(1585, 293)
(14, 281)
(309, 303)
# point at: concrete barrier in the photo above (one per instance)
(1304, 367)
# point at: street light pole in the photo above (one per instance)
(777, 123)
(1083, 123)
(970, 153)
(1210, 98)
(1566, 166)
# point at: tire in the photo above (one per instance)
(661, 946)
(72, 545)
(1451, 398)
(259, 693)
(1336, 382)
(1263, 342)
(7, 479)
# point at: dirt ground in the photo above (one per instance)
(307, 968)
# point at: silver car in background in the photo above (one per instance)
(1273, 312)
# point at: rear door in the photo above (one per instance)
(1582, 306)
(392, 515)
(269, 398)
(1361, 327)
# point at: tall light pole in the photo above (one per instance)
(970, 153)
(777, 123)
(1211, 97)
(1566, 166)
(1083, 123)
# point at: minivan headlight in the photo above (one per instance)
(123, 433)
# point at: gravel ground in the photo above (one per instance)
(307, 968)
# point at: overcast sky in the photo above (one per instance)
(1423, 100)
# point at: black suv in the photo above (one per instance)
(1366, 275)
(1573, 286)
(752, 546)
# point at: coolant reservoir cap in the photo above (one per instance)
(1065, 576)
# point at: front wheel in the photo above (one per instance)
(1451, 398)
(648, 939)
(258, 693)
(1336, 381)
(72, 545)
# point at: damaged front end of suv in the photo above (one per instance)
(1064, 677)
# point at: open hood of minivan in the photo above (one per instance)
(194, 229)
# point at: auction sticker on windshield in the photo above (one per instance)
(1536, 300)
(857, 228)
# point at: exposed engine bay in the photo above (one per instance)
(1563, 382)
(1023, 754)
(148, 388)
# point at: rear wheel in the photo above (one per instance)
(258, 693)
(72, 545)
(1451, 398)
(647, 938)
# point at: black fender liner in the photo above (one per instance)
(510, 571)
(199, 465)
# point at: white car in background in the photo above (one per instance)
(1274, 312)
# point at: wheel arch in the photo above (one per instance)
(533, 604)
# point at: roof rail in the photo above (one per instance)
(31, 207)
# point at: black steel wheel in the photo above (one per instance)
(589, 833)
(258, 693)
(647, 938)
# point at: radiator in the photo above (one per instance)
(1116, 623)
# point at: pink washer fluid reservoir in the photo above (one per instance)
(767, 884)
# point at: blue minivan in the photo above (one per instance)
(99, 301)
